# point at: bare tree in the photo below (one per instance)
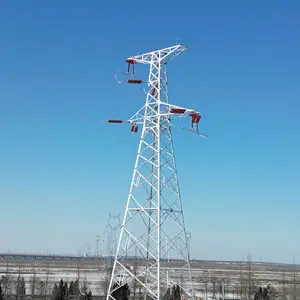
(222, 289)
(294, 281)
(1, 295)
(226, 286)
(241, 282)
(46, 281)
(84, 285)
(206, 288)
(32, 287)
(213, 281)
(231, 288)
(78, 271)
(246, 283)
(107, 270)
(6, 282)
(283, 286)
(272, 292)
(135, 267)
(18, 283)
(250, 281)
(41, 287)
(35, 285)
(204, 280)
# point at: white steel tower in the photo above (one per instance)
(153, 228)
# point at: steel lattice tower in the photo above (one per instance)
(154, 212)
(97, 239)
(113, 226)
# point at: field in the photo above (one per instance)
(235, 277)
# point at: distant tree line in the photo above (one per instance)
(64, 292)
(267, 293)
(61, 290)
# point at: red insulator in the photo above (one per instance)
(131, 61)
(115, 121)
(177, 110)
(134, 128)
(195, 117)
(137, 81)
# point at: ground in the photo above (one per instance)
(207, 276)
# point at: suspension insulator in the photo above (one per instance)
(195, 118)
(130, 62)
(115, 121)
(136, 81)
(134, 128)
(177, 110)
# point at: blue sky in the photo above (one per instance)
(61, 176)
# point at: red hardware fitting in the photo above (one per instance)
(131, 61)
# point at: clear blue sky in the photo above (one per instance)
(61, 176)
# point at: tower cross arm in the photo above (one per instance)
(138, 117)
(167, 110)
(159, 55)
(177, 111)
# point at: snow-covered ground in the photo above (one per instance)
(207, 278)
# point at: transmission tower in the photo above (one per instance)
(188, 237)
(113, 226)
(154, 211)
(97, 239)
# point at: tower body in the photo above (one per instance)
(153, 229)
(97, 239)
(112, 227)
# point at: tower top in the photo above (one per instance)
(158, 55)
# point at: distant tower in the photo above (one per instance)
(113, 226)
(188, 237)
(97, 239)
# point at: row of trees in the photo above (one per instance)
(247, 285)
(267, 293)
(61, 290)
(12, 285)
(219, 289)
(7, 288)
(64, 292)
